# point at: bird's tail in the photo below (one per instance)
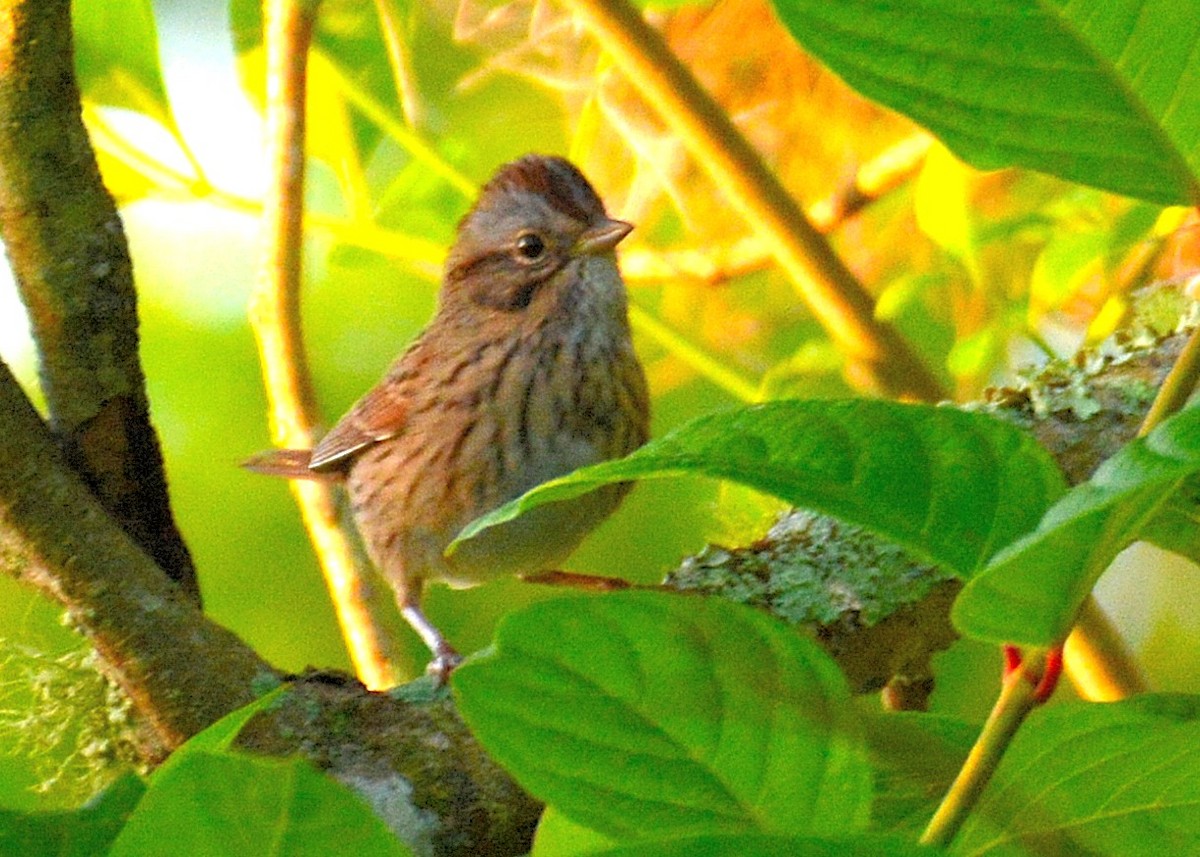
(288, 463)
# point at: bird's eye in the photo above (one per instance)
(531, 247)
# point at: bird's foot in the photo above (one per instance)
(445, 659)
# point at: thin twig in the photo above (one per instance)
(1177, 387)
(1018, 697)
(275, 317)
(876, 353)
(400, 58)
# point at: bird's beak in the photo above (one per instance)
(602, 237)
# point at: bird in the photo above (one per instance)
(526, 372)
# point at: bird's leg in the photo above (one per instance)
(445, 658)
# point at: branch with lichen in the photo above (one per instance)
(55, 535)
(893, 612)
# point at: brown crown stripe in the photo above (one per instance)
(563, 186)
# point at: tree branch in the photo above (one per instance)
(71, 262)
(181, 671)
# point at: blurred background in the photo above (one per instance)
(982, 272)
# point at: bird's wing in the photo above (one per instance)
(378, 415)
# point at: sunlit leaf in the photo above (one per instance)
(951, 487)
(943, 207)
(1098, 93)
(647, 714)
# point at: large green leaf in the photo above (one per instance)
(1031, 592)
(916, 757)
(1100, 93)
(1119, 779)
(951, 487)
(647, 714)
(84, 832)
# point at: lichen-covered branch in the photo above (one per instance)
(181, 671)
(71, 262)
(879, 613)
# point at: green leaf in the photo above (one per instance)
(1098, 93)
(775, 846)
(116, 56)
(949, 486)
(1119, 779)
(916, 757)
(943, 208)
(84, 832)
(220, 804)
(1031, 592)
(646, 714)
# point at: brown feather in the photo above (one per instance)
(377, 416)
(288, 463)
